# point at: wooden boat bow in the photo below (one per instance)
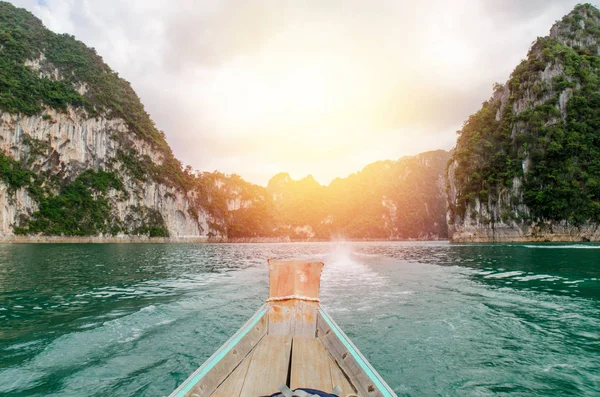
(290, 340)
(293, 297)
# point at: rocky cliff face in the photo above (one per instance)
(64, 144)
(526, 166)
(79, 156)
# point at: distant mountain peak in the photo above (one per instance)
(278, 181)
(309, 179)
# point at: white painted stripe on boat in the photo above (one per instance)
(193, 379)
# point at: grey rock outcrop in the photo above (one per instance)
(75, 142)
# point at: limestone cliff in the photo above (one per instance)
(71, 143)
(526, 166)
(79, 155)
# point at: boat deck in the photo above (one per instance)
(291, 340)
(298, 361)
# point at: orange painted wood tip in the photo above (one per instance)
(294, 280)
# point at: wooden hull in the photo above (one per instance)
(291, 341)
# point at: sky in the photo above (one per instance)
(301, 86)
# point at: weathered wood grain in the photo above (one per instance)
(232, 386)
(268, 366)
(294, 278)
(310, 365)
(293, 317)
(339, 379)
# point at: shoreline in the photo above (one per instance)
(99, 240)
(262, 240)
(564, 237)
(13, 239)
(538, 240)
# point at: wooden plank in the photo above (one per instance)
(268, 367)
(287, 278)
(339, 379)
(342, 357)
(225, 366)
(232, 386)
(293, 317)
(293, 297)
(310, 365)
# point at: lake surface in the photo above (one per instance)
(434, 319)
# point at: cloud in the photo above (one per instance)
(518, 10)
(306, 87)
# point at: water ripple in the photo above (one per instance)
(433, 318)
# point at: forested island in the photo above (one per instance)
(526, 166)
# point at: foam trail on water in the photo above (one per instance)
(343, 266)
(346, 279)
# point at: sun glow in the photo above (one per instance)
(323, 99)
(306, 87)
(276, 96)
(307, 110)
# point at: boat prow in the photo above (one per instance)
(290, 340)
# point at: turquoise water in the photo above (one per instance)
(434, 319)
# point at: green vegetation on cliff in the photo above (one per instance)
(39, 69)
(540, 131)
(386, 200)
(23, 89)
(80, 209)
(244, 209)
(13, 174)
(42, 70)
